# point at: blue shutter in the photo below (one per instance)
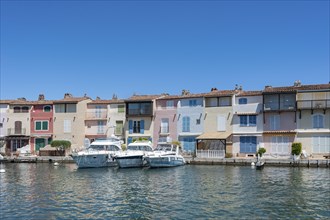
(142, 126)
(130, 126)
(129, 140)
(252, 120)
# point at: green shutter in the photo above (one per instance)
(121, 108)
(38, 125)
(45, 125)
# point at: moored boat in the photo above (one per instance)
(133, 156)
(100, 153)
(165, 155)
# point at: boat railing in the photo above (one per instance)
(210, 153)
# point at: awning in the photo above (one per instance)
(214, 135)
(246, 113)
(288, 132)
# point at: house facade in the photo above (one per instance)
(217, 137)
(69, 120)
(313, 119)
(140, 117)
(18, 125)
(4, 108)
(41, 124)
(190, 120)
(165, 123)
(116, 118)
(247, 123)
(279, 118)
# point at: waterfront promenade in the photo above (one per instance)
(238, 161)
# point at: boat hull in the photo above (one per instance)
(94, 161)
(130, 161)
(168, 161)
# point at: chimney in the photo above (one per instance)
(297, 83)
(185, 92)
(41, 97)
(67, 95)
(268, 87)
(214, 89)
(98, 98)
(22, 99)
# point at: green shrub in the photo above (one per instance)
(261, 151)
(60, 144)
(296, 148)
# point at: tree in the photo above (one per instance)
(60, 144)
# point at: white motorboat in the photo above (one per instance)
(165, 155)
(99, 153)
(134, 155)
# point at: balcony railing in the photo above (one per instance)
(142, 112)
(210, 153)
(313, 104)
(13, 131)
(280, 106)
(96, 115)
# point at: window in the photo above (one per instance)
(318, 121)
(25, 109)
(225, 101)
(100, 127)
(1, 125)
(121, 108)
(192, 103)
(248, 144)
(17, 109)
(164, 126)
(274, 122)
(170, 104)
(242, 101)
(67, 126)
(136, 126)
(41, 125)
(47, 108)
(212, 102)
(140, 108)
(186, 124)
(248, 120)
(321, 144)
(280, 145)
(119, 127)
(65, 108)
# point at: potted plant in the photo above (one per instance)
(296, 150)
(61, 145)
(261, 151)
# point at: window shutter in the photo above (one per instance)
(221, 123)
(45, 125)
(130, 126)
(38, 125)
(129, 140)
(142, 126)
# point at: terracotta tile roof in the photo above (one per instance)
(141, 98)
(71, 100)
(42, 102)
(249, 93)
(280, 132)
(217, 93)
(6, 101)
(295, 88)
(104, 101)
(188, 96)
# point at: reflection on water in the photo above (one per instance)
(44, 191)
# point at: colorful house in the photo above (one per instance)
(96, 119)
(279, 118)
(4, 108)
(313, 119)
(190, 120)
(140, 117)
(69, 119)
(217, 137)
(165, 123)
(247, 123)
(41, 123)
(116, 118)
(18, 125)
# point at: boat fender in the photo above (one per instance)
(253, 164)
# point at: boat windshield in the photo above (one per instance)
(139, 147)
(164, 147)
(104, 147)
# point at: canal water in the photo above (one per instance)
(45, 191)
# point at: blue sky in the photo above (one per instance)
(104, 47)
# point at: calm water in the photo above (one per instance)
(43, 191)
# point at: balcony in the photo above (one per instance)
(102, 115)
(313, 104)
(15, 131)
(139, 109)
(280, 106)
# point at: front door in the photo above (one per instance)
(40, 143)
